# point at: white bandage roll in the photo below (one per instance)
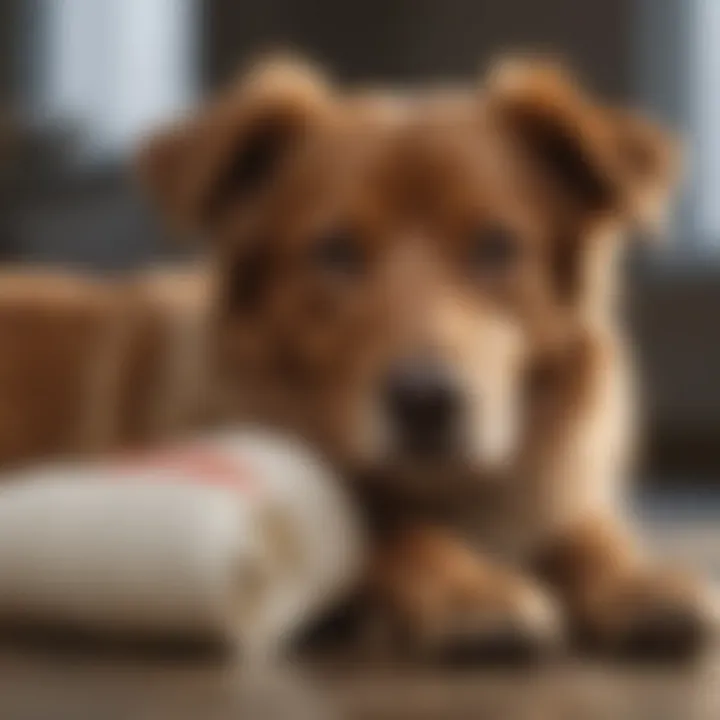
(242, 537)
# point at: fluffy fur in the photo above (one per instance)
(352, 233)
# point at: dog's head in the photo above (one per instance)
(391, 265)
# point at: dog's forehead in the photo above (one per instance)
(437, 140)
(407, 108)
(417, 117)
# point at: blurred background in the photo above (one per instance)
(82, 80)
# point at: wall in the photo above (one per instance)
(406, 39)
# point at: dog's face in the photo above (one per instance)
(391, 268)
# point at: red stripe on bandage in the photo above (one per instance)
(202, 465)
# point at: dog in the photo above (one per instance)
(424, 285)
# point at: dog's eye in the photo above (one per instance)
(338, 252)
(494, 249)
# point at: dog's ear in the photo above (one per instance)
(650, 160)
(231, 151)
(599, 159)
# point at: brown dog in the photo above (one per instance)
(423, 285)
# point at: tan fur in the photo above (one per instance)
(279, 172)
(88, 363)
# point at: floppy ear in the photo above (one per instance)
(229, 153)
(650, 159)
(599, 159)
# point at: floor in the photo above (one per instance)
(36, 684)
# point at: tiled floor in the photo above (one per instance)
(39, 686)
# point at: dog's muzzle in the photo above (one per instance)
(423, 406)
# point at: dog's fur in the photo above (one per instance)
(348, 234)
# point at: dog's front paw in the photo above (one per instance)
(651, 616)
(481, 620)
(444, 601)
(520, 625)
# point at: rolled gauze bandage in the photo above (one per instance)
(240, 537)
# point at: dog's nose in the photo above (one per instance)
(423, 404)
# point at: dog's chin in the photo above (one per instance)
(463, 468)
(437, 472)
(469, 459)
(434, 484)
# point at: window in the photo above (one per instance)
(110, 69)
(705, 118)
(679, 43)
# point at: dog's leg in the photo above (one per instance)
(447, 602)
(618, 602)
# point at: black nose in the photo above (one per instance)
(423, 404)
